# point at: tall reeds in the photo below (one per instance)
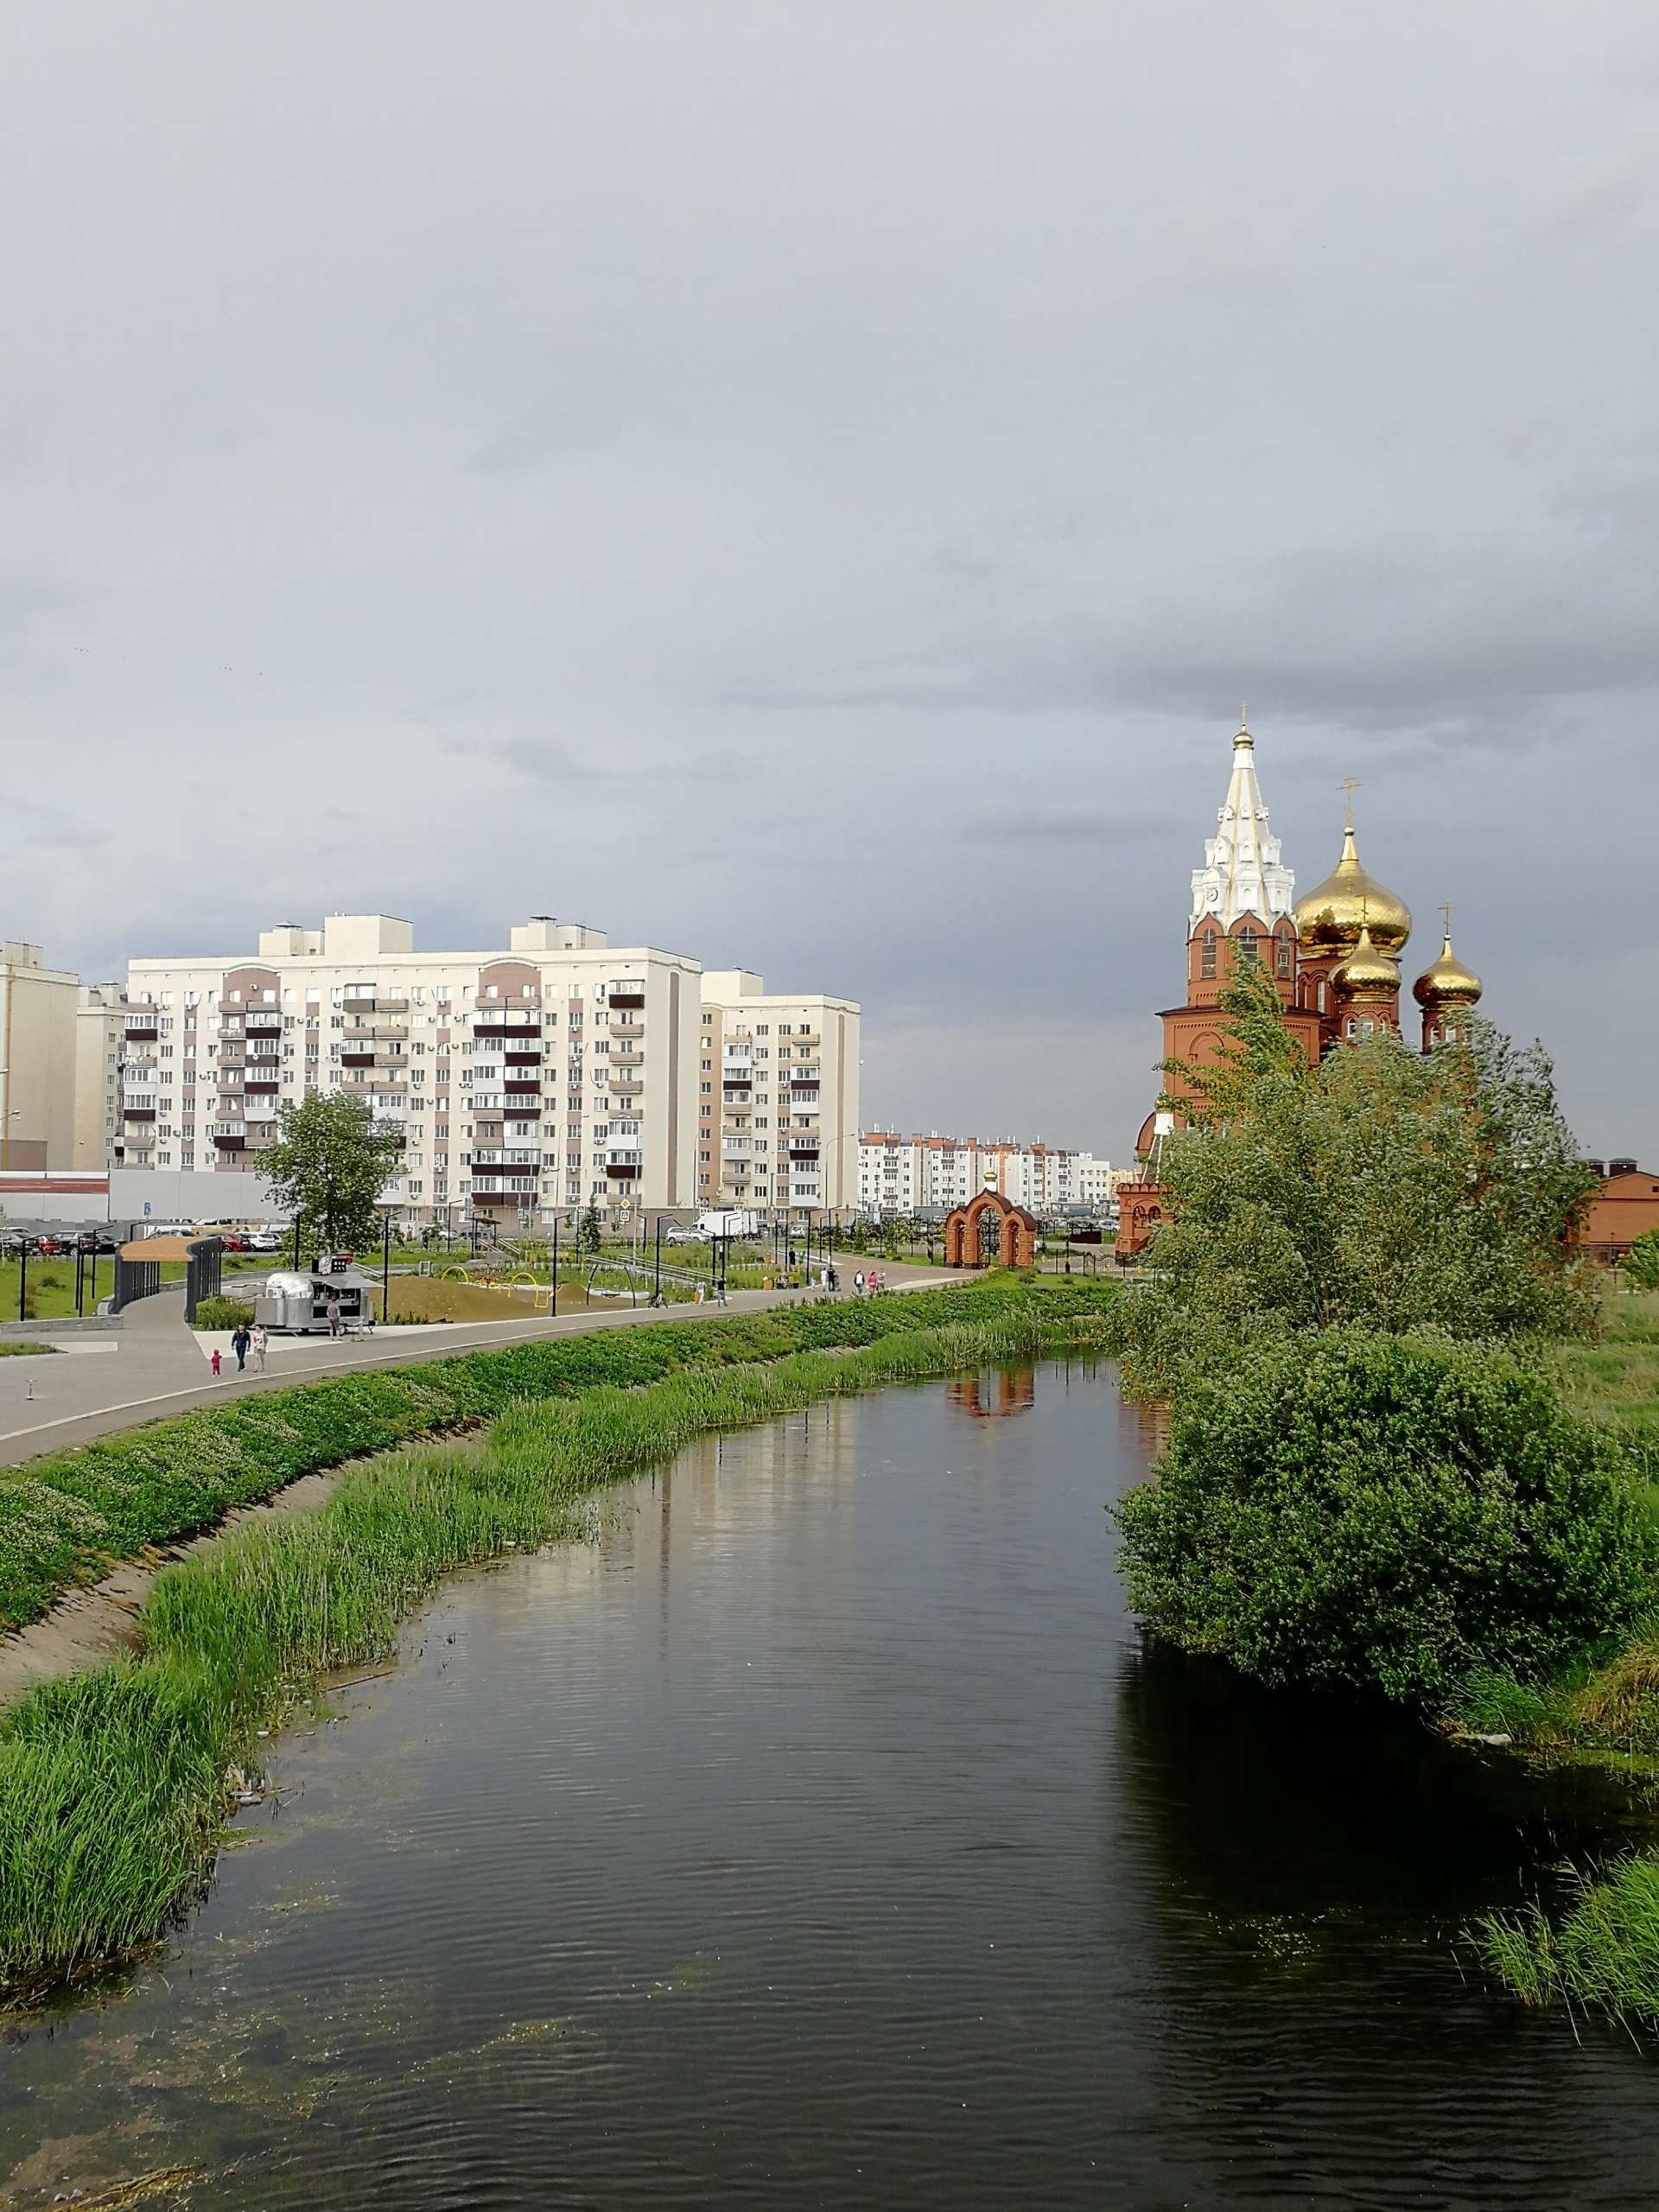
(114, 1785)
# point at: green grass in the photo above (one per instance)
(66, 1517)
(1603, 1954)
(114, 1785)
(20, 1351)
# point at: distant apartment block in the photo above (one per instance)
(911, 1174)
(37, 1059)
(556, 1071)
(777, 1096)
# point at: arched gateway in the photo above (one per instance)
(990, 1232)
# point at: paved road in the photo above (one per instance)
(152, 1366)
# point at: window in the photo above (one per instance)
(1283, 968)
(1246, 943)
(1207, 956)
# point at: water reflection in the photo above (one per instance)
(995, 1395)
(822, 1832)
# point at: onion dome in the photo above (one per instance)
(1334, 917)
(1366, 975)
(1447, 982)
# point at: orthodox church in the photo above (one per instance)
(1333, 955)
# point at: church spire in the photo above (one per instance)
(1241, 872)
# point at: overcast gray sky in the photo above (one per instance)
(811, 487)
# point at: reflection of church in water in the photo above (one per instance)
(1333, 955)
(994, 1395)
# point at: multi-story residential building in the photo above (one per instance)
(556, 1073)
(100, 1036)
(924, 1174)
(777, 1098)
(37, 1059)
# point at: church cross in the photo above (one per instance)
(1348, 786)
(1445, 915)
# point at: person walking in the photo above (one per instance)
(333, 1313)
(241, 1338)
(858, 1284)
(213, 1363)
(258, 1345)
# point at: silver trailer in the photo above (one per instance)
(297, 1301)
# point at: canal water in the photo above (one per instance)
(821, 1833)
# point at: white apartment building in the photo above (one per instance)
(100, 1034)
(556, 1072)
(777, 1098)
(910, 1174)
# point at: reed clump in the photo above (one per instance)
(114, 1785)
(1603, 1953)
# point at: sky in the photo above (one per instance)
(812, 488)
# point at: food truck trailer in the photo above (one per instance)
(295, 1301)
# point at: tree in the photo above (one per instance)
(328, 1167)
(587, 1230)
(1642, 1260)
(1381, 1187)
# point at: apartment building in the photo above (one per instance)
(37, 1059)
(556, 1072)
(100, 1036)
(777, 1098)
(901, 1174)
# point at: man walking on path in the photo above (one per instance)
(240, 1340)
(334, 1313)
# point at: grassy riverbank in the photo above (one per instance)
(66, 1517)
(114, 1785)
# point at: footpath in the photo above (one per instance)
(152, 1366)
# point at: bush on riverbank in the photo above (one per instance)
(1389, 1512)
(112, 1785)
(66, 1517)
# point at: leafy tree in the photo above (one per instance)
(328, 1167)
(1642, 1260)
(1388, 1512)
(587, 1230)
(1380, 1187)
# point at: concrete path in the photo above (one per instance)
(157, 1367)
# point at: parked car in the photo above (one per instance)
(265, 1240)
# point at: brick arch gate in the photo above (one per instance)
(1012, 1241)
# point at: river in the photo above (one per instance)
(821, 1833)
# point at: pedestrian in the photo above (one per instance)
(333, 1313)
(213, 1363)
(858, 1284)
(834, 1279)
(241, 1338)
(257, 1345)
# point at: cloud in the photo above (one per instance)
(1085, 827)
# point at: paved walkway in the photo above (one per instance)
(152, 1366)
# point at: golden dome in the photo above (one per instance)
(1447, 982)
(1332, 917)
(1366, 974)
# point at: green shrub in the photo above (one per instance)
(1393, 1512)
(223, 1314)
